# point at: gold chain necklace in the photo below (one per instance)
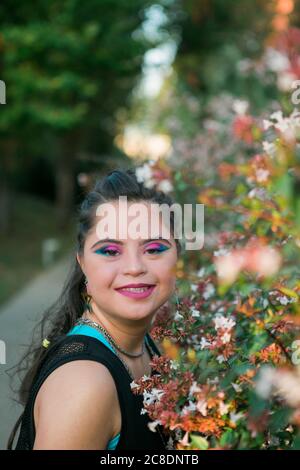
(101, 328)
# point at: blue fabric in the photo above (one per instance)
(90, 331)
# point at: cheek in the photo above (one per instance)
(99, 272)
(166, 273)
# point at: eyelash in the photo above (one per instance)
(104, 251)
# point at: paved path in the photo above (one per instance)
(17, 320)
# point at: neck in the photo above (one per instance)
(126, 336)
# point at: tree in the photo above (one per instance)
(69, 66)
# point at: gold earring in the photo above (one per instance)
(87, 297)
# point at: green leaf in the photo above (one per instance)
(228, 438)
(279, 420)
(199, 442)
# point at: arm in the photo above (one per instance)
(76, 408)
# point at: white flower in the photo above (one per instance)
(221, 252)
(288, 385)
(194, 388)
(223, 322)
(265, 381)
(213, 381)
(259, 193)
(153, 396)
(269, 148)
(234, 417)
(220, 311)
(194, 287)
(143, 173)
(221, 358)
(178, 316)
(223, 408)
(226, 338)
(187, 408)
(267, 124)
(262, 175)
(265, 303)
(282, 123)
(209, 291)
(195, 312)
(202, 407)
(204, 343)
(285, 81)
(170, 444)
(240, 106)
(143, 411)
(165, 186)
(236, 387)
(145, 377)
(275, 60)
(286, 125)
(152, 425)
(185, 440)
(201, 272)
(174, 364)
(133, 385)
(149, 183)
(284, 300)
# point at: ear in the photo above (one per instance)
(79, 261)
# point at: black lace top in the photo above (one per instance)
(135, 433)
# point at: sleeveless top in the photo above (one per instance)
(90, 331)
(84, 343)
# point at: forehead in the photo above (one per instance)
(136, 220)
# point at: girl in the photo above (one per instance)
(77, 394)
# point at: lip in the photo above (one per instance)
(141, 284)
(137, 295)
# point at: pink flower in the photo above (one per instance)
(264, 260)
(242, 128)
(260, 259)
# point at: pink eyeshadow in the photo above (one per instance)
(154, 245)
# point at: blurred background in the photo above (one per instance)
(91, 86)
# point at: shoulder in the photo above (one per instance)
(73, 408)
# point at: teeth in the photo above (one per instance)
(136, 289)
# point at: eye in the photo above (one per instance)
(157, 249)
(107, 251)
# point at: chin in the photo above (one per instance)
(137, 314)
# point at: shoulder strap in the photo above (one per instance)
(153, 345)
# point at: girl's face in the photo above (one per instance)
(136, 259)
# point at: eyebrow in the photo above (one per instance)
(143, 242)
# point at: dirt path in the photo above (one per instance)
(17, 319)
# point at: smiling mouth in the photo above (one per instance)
(135, 289)
(136, 292)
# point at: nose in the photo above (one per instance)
(133, 264)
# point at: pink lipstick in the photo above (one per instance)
(137, 292)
